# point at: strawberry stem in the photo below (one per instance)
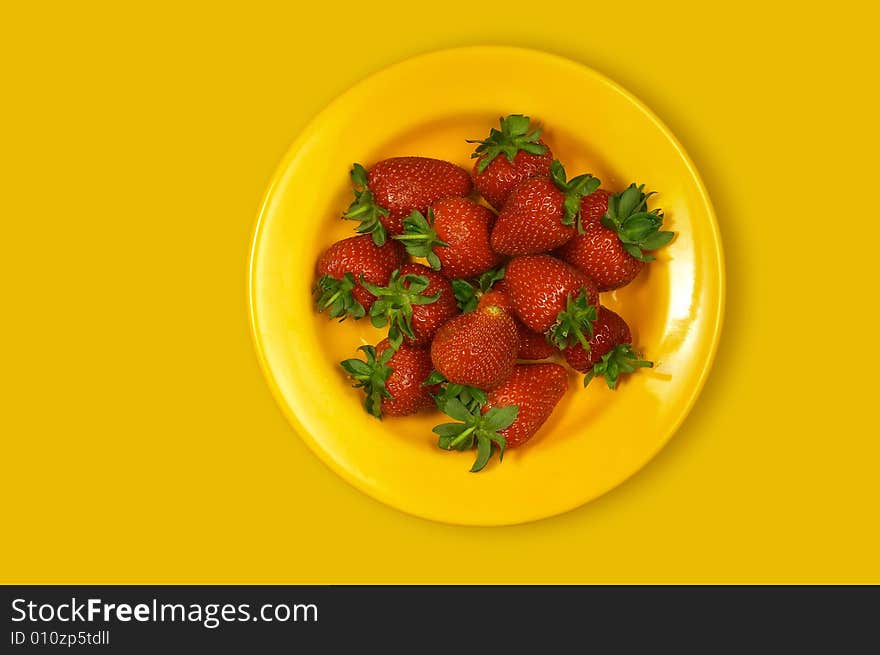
(461, 437)
(371, 374)
(364, 207)
(620, 359)
(336, 296)
(420, 239)
(574, 323)
(471, 397)
(468, 295)
(515, 135)
(394, 303)
(475, 428)
(574, 190)
(637, 228)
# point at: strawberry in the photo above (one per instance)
(414, 304)
(532, 345)
(476, 349)
(467, 292)
(612, 251)
(394, 188)
(535, 389)
(393, 380)
(594, 206)
(339, 272)
(552, 298)
(512, 413)
(525, 156)
(541, 213)
(454, 238)
(497, 297)
(610, 351)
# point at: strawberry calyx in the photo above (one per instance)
(364, 207)
(475, 429)
(637, 228)
(574, 189)
(420, 238)
(513, 136)
(394, 302)
(574, 324)
(336, 296)
(467, 294)
(371, 374)
(471, 397)
(620, 359)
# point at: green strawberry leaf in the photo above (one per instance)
(436, 377)
(358, 175)
(636, 253)
(657, 240)
(465, 295)
(514, 135)
(336, 298)
(448, 430)
(499, 418)
(471, 397)
(628, 200)
(475, 428)
(620, 359)
(456, 409)
(484, 452)
(364, 207)
(394, 303)
(420, 239)
(370, 374)
(574, 190)
(489, 278)
(637, 228)
(574, 324)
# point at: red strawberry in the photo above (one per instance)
(414, 304)
(612, 251)
(393, 379)
(594, 206)
(551, 297)
(512, 413)
(396, 187)
(467, 292)
(535, 389)
(610, 352)
(541, 213)
(339, 271)
(454, 238)
(531, 344)
(525, 156)
(599, 253)
(497, 297)
(477, 349)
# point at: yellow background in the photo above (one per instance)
(140, 441)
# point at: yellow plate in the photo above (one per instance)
(429, 106)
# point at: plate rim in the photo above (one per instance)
(717, 320)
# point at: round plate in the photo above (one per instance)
(428, 106)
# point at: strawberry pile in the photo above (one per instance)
(515, 278)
